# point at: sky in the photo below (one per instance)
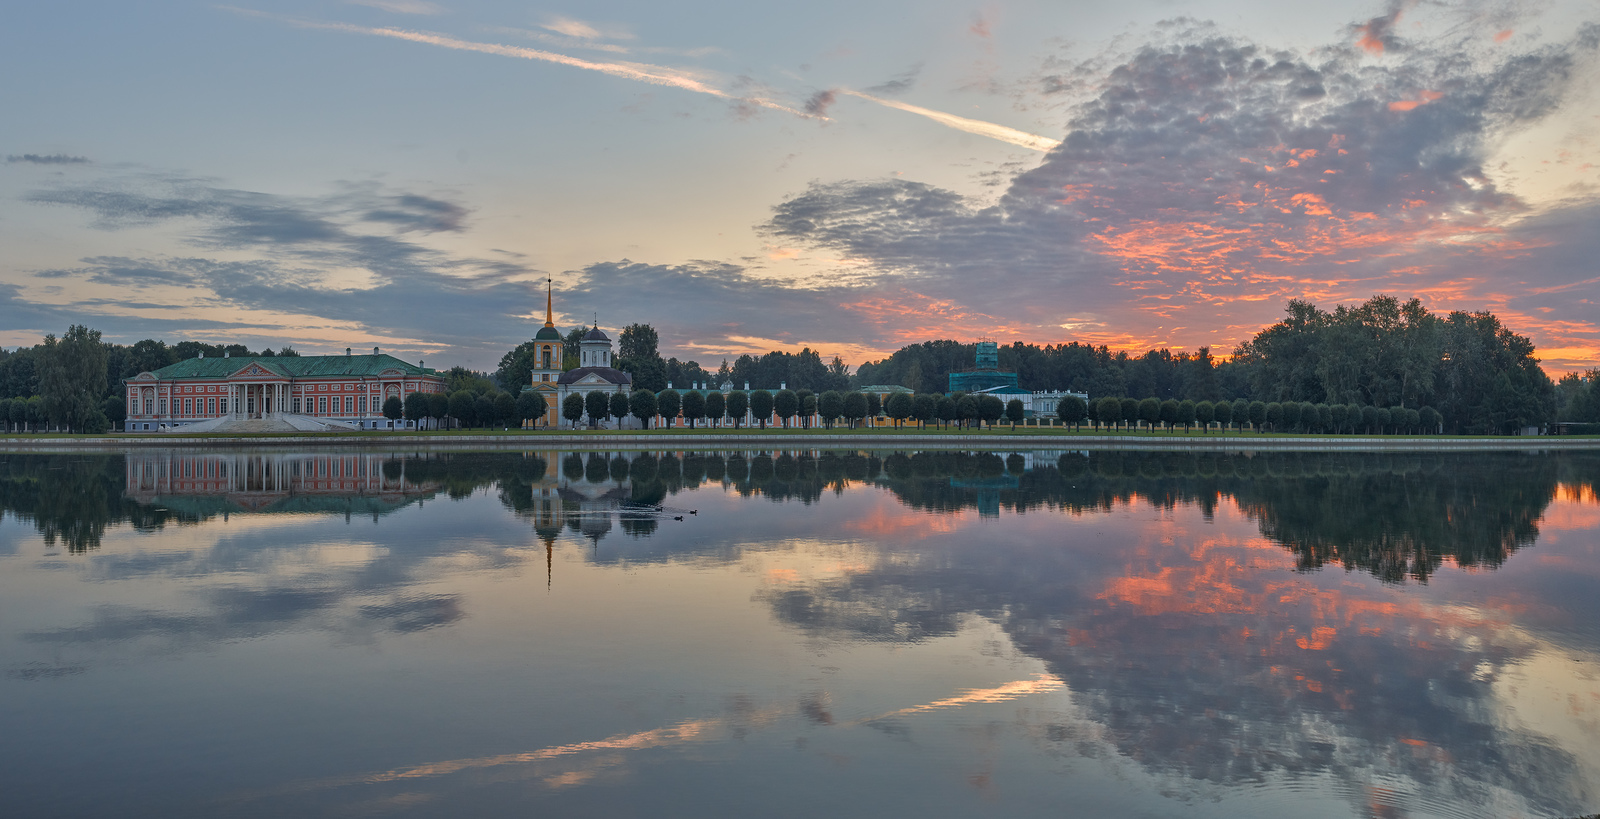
(849, 177)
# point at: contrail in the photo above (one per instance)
(639, 72)
(971, 126)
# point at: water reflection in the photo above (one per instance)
(1186, 610)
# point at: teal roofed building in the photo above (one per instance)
(986, 373)
(285, 393)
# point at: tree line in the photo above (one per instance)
(1473, 372)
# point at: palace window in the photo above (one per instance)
(322, 405)
(163, 406)
(188, 406)
(362, 403)
(297, 405)
(211, 406)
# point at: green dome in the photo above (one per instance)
(547, 334)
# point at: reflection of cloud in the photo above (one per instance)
(608, 751)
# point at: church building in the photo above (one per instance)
(594, 372)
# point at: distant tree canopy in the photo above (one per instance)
(1480, 376)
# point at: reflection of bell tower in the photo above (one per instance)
(547, 343)
(549, 513)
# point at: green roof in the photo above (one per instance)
(547, 334)
(309, 366)
(884, 388)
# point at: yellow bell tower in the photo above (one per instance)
(547, 352)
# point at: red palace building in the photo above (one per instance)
(336, 391)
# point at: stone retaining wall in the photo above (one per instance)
(810, 440)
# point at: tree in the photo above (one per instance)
(1108, 411)
(113, 407)
(990, 408)
(945, 410)
(855, 407)
(1290, 413)
(1072, 410)
(967, 410)
(618, 407)
(1150, 411)
(638, 342)
(1187, 414)
(1257, 414)
(1241, 412)
(738, 405)
(761, 407)
(1222, 413)
(1380, 417)
(899, 407)
(1014, 412)
(874, 405)
(505, 408)
(416, 406)
(1369, 417)
(572, 409)
(786, 403)
(393, 409)
(517, 366)
(694, 406)
(463, 407)
(643, 406)
(1337, 416)
(924, 407)
(72, 379)
(808, 406)
(531, 405)
(668, 404)
(438, 407)
(1204, 413)
(1429, 418)
(597, 405)
(1274, 415)
(1169, 413)
(830, 405)
(483, 410)
(1130, 411)
(716, 406)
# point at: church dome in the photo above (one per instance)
(596, 335)
(547, 334)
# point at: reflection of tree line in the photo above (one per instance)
(1394, 515)
(72, 499)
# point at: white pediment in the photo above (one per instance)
(145, 377)
(391, 371)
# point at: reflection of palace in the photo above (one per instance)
(270, 482)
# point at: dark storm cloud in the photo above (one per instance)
(47, 159)
(1208, 170)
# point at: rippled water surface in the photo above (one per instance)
(189, 633)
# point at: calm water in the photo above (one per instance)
(185, 633)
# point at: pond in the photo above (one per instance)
(772, 633)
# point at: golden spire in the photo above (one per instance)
(549, 319)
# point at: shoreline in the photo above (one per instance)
(804, 439)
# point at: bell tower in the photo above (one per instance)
(547, 344)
